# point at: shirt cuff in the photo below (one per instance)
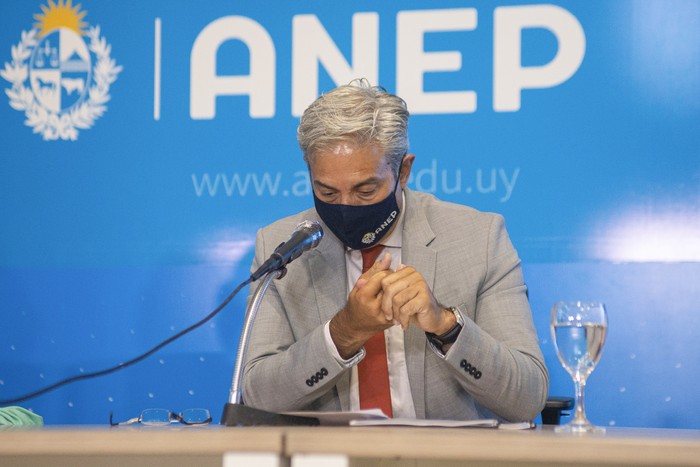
(352, 361)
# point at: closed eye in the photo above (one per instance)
(367, 191)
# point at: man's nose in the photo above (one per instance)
(347, 198)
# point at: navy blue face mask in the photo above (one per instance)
(360, 227)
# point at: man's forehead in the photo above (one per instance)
(348, 148)
(344, 148)
(348, 170)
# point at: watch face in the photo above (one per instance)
(458, 315)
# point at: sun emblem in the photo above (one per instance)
(60, 16)
(65, 92)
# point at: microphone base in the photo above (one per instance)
(243, 415)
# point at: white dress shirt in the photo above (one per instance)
(401, 399)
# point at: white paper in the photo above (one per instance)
(375, 417)
(486, 423)
(342, 418)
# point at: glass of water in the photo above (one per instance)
(578, 331)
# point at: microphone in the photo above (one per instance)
(306, 236)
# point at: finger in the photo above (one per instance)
(380, 265)
(390, 289)
(399, 274)
(388, 319)
(385, 261)
(370, 285)
(394, 283)
(406, 306)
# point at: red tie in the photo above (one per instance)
(373, 371)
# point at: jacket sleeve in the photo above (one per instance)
(288, 367)
(497, 358)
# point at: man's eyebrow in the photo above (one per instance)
(323, 185)
(368, 181)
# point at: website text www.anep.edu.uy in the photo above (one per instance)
(499, 182)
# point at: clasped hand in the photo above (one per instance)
(382, 298)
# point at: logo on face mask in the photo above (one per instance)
(369, 237)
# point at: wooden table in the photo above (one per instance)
(137, 446)
(342, 447)
(451, 447)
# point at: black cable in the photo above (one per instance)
(133, 360)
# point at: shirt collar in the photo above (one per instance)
(395, 237)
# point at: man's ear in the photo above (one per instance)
(406, 165)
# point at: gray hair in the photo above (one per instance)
(359, 114)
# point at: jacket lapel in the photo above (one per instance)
(416, 252)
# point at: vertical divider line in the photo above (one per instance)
(156, 69)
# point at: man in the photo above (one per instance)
(443, 311)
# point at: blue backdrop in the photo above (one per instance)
(143, 143)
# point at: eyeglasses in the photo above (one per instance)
(160, 417)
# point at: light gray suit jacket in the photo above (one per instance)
(494, 369)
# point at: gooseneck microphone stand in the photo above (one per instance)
(235, 412)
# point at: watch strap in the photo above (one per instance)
(450, 336)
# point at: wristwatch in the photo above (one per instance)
(450, 336)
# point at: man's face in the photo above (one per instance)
(353, 175)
